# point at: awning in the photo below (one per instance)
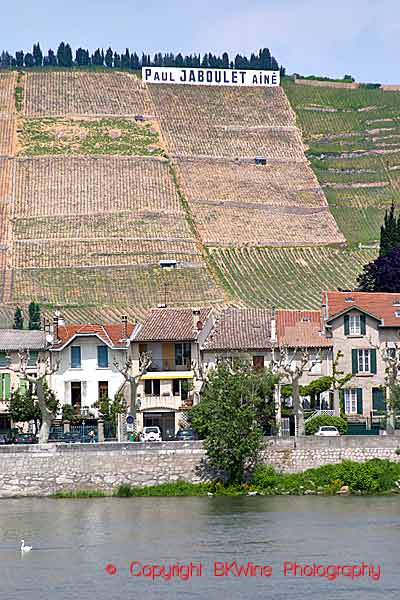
(168, 375)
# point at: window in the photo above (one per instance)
(75, 357)
(315, 364)
(4, 360)
(183, 355)
(102, 357)
(354, 324)
(258, 362)
(180, 387)
(363, 360)
(353, 402)
(33, 358)
(151, 387)
(103, 389)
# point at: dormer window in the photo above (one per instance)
(397, 313)
(354, 324)
(396, 302)
(349, 299)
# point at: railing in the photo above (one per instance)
(318, 413)
(169, 402)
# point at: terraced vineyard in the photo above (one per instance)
(287, 277)
(353, 139)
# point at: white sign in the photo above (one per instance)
(199, 76)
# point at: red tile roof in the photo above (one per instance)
(113, 334)
(241, 329)
(379, 304)
(300, 328)
(168, 325)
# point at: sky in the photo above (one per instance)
(310, 37)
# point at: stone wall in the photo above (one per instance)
(41, 471)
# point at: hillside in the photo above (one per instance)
(101, 177)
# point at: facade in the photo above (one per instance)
(85, 355)
(361, 325)
(11, 342)
(173, 338)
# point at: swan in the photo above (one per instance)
(25, 548)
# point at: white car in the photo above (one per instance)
(151, 434)
(328, 431)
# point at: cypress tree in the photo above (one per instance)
(18, 319)
(389, 232)
(19, 58)
(61, 54)
(34, 316)
(51, 58)
(109, 58)
(37, 55)
(68, 56)
(28, 60)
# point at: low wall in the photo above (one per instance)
(44, 470)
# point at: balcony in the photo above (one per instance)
(163, 402)
(168, 365)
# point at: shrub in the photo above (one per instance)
(314, 424)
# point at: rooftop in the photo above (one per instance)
(168, 325)
(241, 329)
(382, 305)
(113, 334)
(22, 339)
(300, 328)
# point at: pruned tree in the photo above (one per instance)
(290, 366)
(133, 379)
(339, 380)
(43, 370)
(391, 359)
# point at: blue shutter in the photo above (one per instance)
(354, 361)
(363, 327)
(75, 357)
(378, 400)
(102, 357)
(359, 401)
(7, 385)
(346, 325)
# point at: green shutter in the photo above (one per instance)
(7, 385)
(1, 386)
(23, 385)
(346, 325)
(363, 328)
(33, 358)
(3, 359)
(354, 361)
(372, 357)
(378, 399)
(359, 401)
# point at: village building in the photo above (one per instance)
(361, 325)
(13, 341)
(85, 357)
(173, 338)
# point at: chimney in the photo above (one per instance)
(196, 320)
(124, 320)
(273, 327)
(55, 326)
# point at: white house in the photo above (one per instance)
(85, 355)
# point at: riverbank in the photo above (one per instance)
(373, 477)
(44, 470)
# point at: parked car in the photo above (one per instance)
(151, 434)
(4, 439)
(328, 431)
(186, 435)
(25, 438)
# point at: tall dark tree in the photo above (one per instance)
(382, 274)
(390, 232)
(34, 316)
(82, 57)
(109, 58)
(18, 319)
(61, 54)
(225, 60)
(68, 56)
(28, 60)
(51, 59)
(134, 63)
(126, 59)
(98, 58)
(37, 55)
(19, 58)
(117, 61)
(5, 60)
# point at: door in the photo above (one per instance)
(165, 421)
(76, 396)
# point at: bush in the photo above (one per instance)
(314, 424)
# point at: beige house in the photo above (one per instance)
(361, 325)
(173, 338)
(11, 342)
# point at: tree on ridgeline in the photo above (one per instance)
(109, 58)
(28, 60)
(126, 59)
(64, 55)
(82, 57)
(134, 62)
(116, 61)
(34, 316)
(18, 319)
(37, 55)
(19, 58)
(51, 59)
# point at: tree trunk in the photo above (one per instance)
(47, 416)
(336, 403)
(298, 407)
(278, 409)
(390, 414)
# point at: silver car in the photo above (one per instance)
(328, 431)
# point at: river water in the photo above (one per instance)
(75, 540)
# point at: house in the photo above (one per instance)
(361, 325)
(173, 338)
(85, 355)
(11, 342)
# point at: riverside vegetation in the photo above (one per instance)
(373, 477)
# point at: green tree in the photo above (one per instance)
(34, 316)
(382, 274)
(23, 407)
(109, 58)
(389, 232)
(37, 55)
(110, 409)
(18, 319)
(28, 60)
(19, 58)
(230, 417)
